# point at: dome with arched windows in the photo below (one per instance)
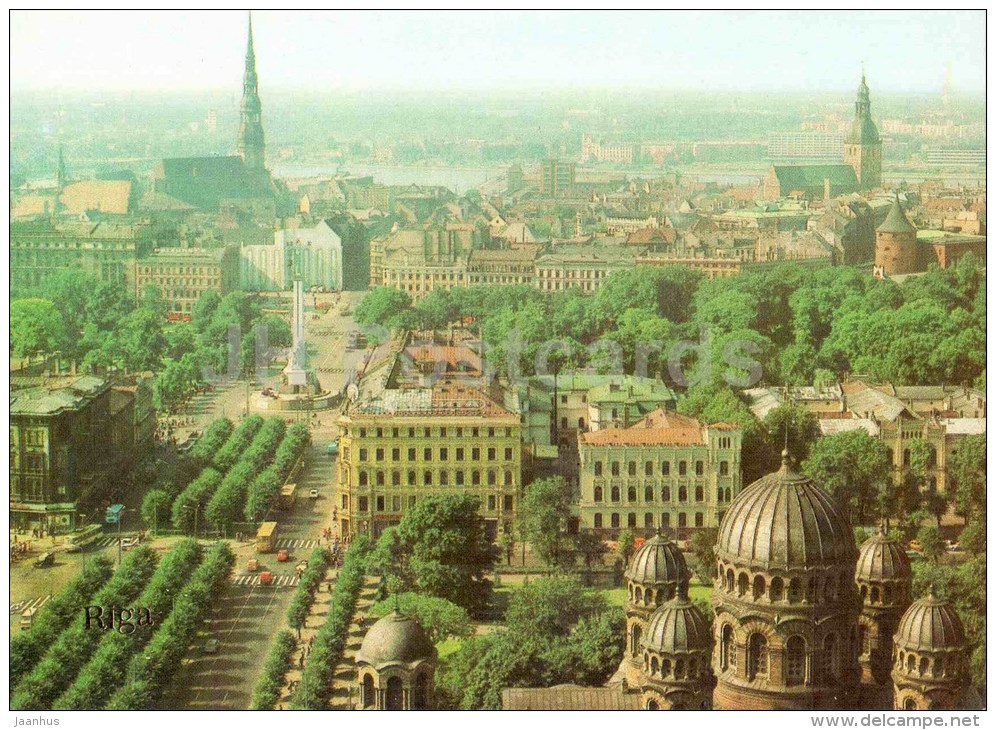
(658, 561)
(395, 639)
(677, 627)
(784, 520)
(930, 624)
(881, 559)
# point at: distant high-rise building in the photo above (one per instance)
(556, 178)
(862, 145)
(250, 145)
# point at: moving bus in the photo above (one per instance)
(266, 537)
(84, 538)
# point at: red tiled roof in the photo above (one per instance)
(658, 427)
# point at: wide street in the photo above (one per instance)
(249, 615)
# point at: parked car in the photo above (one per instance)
(265, 578)
(332, 449)
(283, 556)
(252, 566)
(313, 494)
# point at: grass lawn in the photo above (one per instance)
(617, 596)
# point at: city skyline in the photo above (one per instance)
(359, 50)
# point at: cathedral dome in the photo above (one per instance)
(677, 627)
(784, 520)
(881, 559)
(395, 639)
(658, 560)
(930, 624)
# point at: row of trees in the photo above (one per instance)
(105, 671)
(227, 504)
(152, 671)
(556, 631)
(266, 693)
(800, 324)
(66, 656)
(315, 688)
(264, 489)
(304, 596)
(28, 647)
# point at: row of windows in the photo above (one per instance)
(649, 468)
(648, 520)
(381, 503)
(427, 432)
(615, 493)
(459, 478)
(443, 454)
(828, 661)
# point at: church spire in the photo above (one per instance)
(250, 143)
(60, 170)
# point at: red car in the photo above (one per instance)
(283, 556)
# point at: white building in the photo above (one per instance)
(315, 254)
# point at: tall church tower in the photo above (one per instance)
(862, 145)
(250, 145)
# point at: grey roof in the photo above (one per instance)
(830, 426)
(784, 520)
(677, 627)
(658, 560)
(930, 624)
(881, 559)
(862, 131)
(49, 400)
(395, 639)
(896, 221)
(801, 177)
(964, 426)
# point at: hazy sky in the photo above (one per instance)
(713, 50)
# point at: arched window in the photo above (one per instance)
(682, 494)
(909, 704)
(693, 667)
(679, 668)
(648, 521)
(395, 699)
(639, 594)
(777, 589)
(654, 666)
(652, 705)
(598, 494)
(635, 635)
(475, 478)
(648, 494)
(631, 519)
(699, 494)
(420, 692)
(665, 667)
(682, 519)
(380, 479)
(598, 520)
(938, 667)
(614, 520)
(367, 691)
(924, 665)
(874, 594)
(728, 649)
(508, 479)
(864, 593)
(631, 468)
(831, 663)
(615, 494)
(631, 494)
(795, 661)
(729, 580)
(492, 478)
(666, 494)
(395, 478)
(743, 583)
(757, 656)
(363, 479)
(910, 663)
(758, 586)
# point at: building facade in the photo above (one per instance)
(409, 444)
(315, 255)
(183, 275)
(666, 471)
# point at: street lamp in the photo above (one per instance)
(197, 509)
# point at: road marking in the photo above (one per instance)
(251, 580)
(286, 543)
(27, 603)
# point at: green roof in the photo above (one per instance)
(896, 221)
(862, 131)
(801, 177)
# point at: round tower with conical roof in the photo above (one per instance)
(929, 667)
(862, 145)
(657, 572)
(896, 249)
(884, 578)
(675, 650)
(786, 626)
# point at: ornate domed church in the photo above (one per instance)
(802, 619)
